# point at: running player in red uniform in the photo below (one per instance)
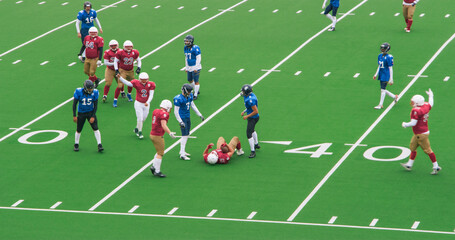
(123, 65)
(419, 124)
(144, 95)
(160, 118)
(93, 54)
(109, 74)
(409, 7)
(224, 151)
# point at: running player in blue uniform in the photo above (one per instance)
(333, 6)
(87, 98)
(252, 115)
(192, 63)
(385, 71)
(182, 104)
(86, 17)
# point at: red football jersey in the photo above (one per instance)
(223, 158)
(91, 46)
(142, 90)
(421, 115)
(126, 59)
(110, 56)
(157, 116)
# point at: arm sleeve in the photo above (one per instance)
(116, 63)
(150, 96)
(74, 106)
(139, 62)
(391, 73)
(377, 71)
(193, 106)
(100, 49)
(129, 84)
(176, 113)
(430, 100)
(98, 23)
(416, 1)
(198, 60)
(107, 63)
(77, 26)
(412, 123)
(95, 107)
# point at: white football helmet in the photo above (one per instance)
(212, 158)
(417, 100)
(166, 104)
(112, 43)
(93, 30)
(143, 75)
(127, 43)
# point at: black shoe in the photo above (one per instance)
(152, 169)
(100, 148)
(76, 147)
(123, 94)
(97, 82)
(195, 98)
(257, 146)
(252, 154)
(104, 99)
(159, 174)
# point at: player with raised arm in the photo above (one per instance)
(332, 7)
(419, 123)
(144, 95)
(182, 104)
(385, 71)
(85, 18)
(192, 63)
(160, 117)
(223, 152)
(87, 98)
(123, 65)
(252, 116)
(94, 53)
(109, 74)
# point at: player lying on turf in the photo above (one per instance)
(224, 151)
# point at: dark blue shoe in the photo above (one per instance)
(115, 103)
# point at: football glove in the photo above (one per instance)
(172, 134)
(413, 4)
(182, 124)
(403, 124)
(429, 92)
(117, 72)
(98, 63)
(202, 118)
(138, 70)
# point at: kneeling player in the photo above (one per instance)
(224, 151)
(88, 96)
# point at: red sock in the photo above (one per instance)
(432, 157)
(413, 155)
(238, 146)
(130, 89)
(93, 78)
(406, 20)
(409, 24)
(123, 88)
(117, 92)
(106, 90)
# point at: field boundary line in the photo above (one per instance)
(357, 143)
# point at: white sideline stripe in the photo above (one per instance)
(326, 177)
(297, 73)
(181, 7)
(211, 213)
(278, 142)
(276, 10)
(44, 63)
(148, 54)
(356, 75)
(133, 6)
(415, 225)
(133, 209)
(240, 70)
(212, 69)
(327, 74)
(41, 3)
(416, 75)
(53, 30)
(352, 14)
(270, 70)
(173, 211)
(158, 6)
(18, 128)
(299, 11)
(446, 79)
(227, 219)
(373, 223)
(332, 220)
(221, 108)
(17, 203)
(17, 61)
(251, 216)
(18, 2)
(251, 10)
(155, 67)
(71, 64)
(359, 145)
(204, 8)
(65, 3)
(397, 14)
(371, 14)
(447, 15)
(56, 205)
(421, 15)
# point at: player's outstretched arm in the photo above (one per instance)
(207, 149)
(412, 123)
(129, 84)
(430, 97)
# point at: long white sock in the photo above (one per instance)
(251, 141)
(196, 89)
(157, 164)
(139, 125)
(183, 145)
(77, 137)
(381, 102)
(83, 53)
(255, 137)
(410, 162)
(98, 136)
(329, 17)
(390, 94)
(193, 85)
(334, 21)
(435, 165)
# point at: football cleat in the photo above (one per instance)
(159, 174)
(435, 170)
(379, 107)
(123, 94)
(256, 146)
(331, 29)
(152, 169)
(187, 154)
(76, 147)
(240, 152)
(104, 99)
(136, 131)
(100, 147)
(195, 98)
(252, 154)
(129, 97)
(97, 82)
(81, 58)
(407, 30)
(139, 134)
(408, 168)
(184, 157)
(115, 103)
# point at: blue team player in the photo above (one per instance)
(182, 104)
(192, 63)
(86, 17)
(87, 98)
(252, 115)
(385, 64)
(333, 6)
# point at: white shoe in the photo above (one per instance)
(331, 29)
(408, 168)
(183, 157)
(435, 170)
(407, 30)
(187, 154)
(240, 152)
(396, 99)
(379, 107)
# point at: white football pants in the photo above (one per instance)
(141, 111)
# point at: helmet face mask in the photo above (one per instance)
(385, 48)
(246, 90)
(88, 86)
(144, 77)
(212, 158)
(166, 104)
(113, 44)
(186, 89)
(128, 45)
(189, 40)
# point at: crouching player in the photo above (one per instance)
(224, 151)
(160, 118)
(144, 95)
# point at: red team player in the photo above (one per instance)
(419, 124)
(109, 74)
(93, 53)
(144, 95)
(160, 117)
(224, 151)
(123, 65)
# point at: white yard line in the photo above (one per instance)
(227, 219)
(297, 73)
(251, 216)
(223, 107)
(373, 223)
(56, 205)
(240, 70)
(299, 11)
(334, 168)
(44, 63)
(332, 220)
(53, 30)
(415, 225)
(211, 213)
(173, 211)
(17, 203)
(327, 74)
(446, 79)
(133, 209)
(212, 69)
(356, 75)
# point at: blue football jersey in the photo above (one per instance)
(85, 101)
(86, 18)
(384, 63)
(335, 3)
(250, 101)
(184, 104)
(191, 53)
